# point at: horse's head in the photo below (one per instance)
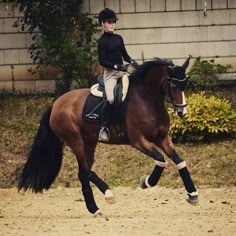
(177, 82)
(164, 78)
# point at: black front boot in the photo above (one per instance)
(104, 134)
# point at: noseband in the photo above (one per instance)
(170, 96)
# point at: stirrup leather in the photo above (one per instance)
(104, 134)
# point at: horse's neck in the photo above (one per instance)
(149, 94)
(150, 97)
(155, 85)
(150, 104)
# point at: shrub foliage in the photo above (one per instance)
(208, 119)
(63, 38)
(203, 72)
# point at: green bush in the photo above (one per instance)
(62, 38)
(203, 72)
(208, 119)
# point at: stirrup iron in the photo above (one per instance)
(104, 134)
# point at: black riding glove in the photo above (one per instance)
(120, 67)
(134, 63)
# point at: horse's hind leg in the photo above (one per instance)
(87, 191)
(102, 186)
(181, 166)
(84, 169)
(70, 133)
(93, 177)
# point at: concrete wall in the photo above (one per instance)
(158, 28)
(175, 28)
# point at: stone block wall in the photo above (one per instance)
(157, 28)
(175, 28)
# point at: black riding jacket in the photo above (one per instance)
(111, 50)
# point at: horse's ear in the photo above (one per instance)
(186, 63)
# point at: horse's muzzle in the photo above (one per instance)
(181, 110)
(181, 114)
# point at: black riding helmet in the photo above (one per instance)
(107, 15)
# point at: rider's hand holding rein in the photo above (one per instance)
(134, 64)
(120, 67)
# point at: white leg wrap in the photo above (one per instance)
(97, 213)
(161, 164)
(108, 194)
(181, 165)
(146, 182)
(193, 194)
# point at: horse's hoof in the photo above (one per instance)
(193, 200)
(99, 214)
(143, 182)
(109, 196)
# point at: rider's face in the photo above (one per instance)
(109, 26)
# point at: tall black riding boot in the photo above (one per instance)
(104, 134)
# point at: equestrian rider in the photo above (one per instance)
(111, 52)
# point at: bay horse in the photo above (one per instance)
(146, 123)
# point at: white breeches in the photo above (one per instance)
(110, 80)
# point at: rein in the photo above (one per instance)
(170, 98)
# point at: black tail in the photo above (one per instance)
(45, 158)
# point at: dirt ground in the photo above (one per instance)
(156, 211)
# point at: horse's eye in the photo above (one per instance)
(174, 88)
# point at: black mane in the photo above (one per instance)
(141, 70)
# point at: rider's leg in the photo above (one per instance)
(110, 81)
(104, 134)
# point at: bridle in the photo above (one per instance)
(170, 96)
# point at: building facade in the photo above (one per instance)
(151, 28)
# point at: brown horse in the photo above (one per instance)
(145, 126)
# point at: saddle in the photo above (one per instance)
(120, 90)
(93, 105)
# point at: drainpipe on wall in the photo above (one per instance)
(13, 79)
(205, 9)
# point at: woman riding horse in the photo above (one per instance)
(146, 124)
(111, 52)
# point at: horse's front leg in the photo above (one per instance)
(168, 148)
(149, 149)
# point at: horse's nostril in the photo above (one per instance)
(180, 114)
